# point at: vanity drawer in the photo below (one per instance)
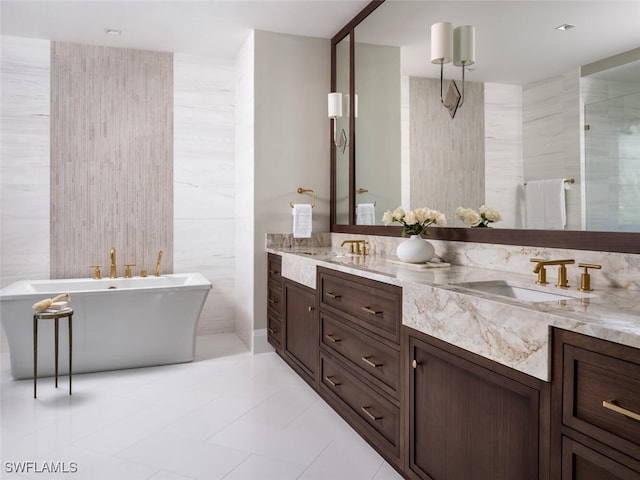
(274, 268)
(373, 305)
(378, 361)
(378, 419)
(274, 331)
(590, 379)
(274, 298)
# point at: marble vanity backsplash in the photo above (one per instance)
(286, 240)
(619, 270)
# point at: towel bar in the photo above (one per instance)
(306, 190)
(566, 180)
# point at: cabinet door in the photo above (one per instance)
(467, 422)
(582, 463)
(301, 330)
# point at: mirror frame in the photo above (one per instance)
(620, 242)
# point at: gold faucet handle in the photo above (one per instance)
(351, 247)
(97, 274)
(585, 277)
(540, 270)
(127, 269)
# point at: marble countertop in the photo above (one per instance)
(507, 330)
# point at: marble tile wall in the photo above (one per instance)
(503, 165)
(447, 167)
(111, 158)
(204, 181)
(24, 171)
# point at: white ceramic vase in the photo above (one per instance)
(415, 250)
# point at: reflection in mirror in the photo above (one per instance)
(341, 149)
(611, 100)
(377, 87)
(523, 123)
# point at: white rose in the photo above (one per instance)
(398, 213)
(490, 214)
(441, 220)
(421, 214)
(460, 211)
(410, 218)
(472, 218)
(387, 217)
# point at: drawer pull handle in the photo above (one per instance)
(273, 301)
(370, 363)
(369, 414)
(613, 405)
(310, 308)
(371, 311)
(333, 338)
(333, 383)
(274, 272)
(333, 295)
(271, 330)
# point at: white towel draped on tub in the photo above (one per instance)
(545, 203)
(365, 214)
(302, 220)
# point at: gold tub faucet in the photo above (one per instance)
(157, 274)
(112, 271)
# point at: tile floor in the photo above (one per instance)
(228, 415)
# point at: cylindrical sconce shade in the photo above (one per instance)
(441, 42)
(335, 105)
(464, 45)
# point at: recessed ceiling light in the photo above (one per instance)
(565, 26)
(113, 31)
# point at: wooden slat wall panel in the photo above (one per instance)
(111, 158)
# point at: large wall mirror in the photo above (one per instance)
(540, 103)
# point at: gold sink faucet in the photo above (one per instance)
(357, 247)
(112, 271)
(562, 271)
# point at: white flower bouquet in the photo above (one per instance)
(414, 222)
(482, 218)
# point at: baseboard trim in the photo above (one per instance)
(260, 343)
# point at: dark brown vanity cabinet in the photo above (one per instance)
(300, 342)
(274, 301)
(360, 356)
(596, 408)
(470, 418)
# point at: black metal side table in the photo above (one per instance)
(55, 316)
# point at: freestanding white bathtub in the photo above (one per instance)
(117, 323)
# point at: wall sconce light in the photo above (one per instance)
(334, 101)
(459, 45)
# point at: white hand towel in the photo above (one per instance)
(302, 220)
(546, 205)
(365, 214)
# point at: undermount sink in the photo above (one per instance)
(519, 292)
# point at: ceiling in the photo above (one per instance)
(516, 40)
(215, 28)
